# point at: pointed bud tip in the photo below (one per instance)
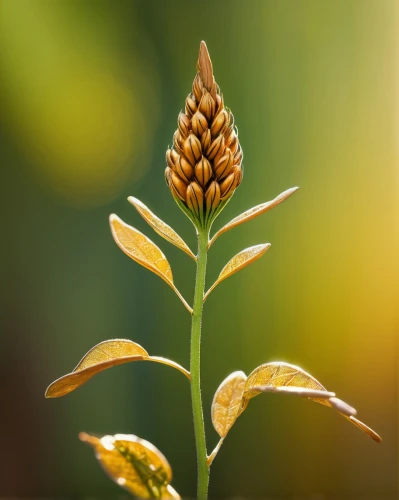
(205, 69)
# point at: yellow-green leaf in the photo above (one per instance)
(141, 249)
(238, 262)
(99, 358)
(282, 377)
(254, 212)
(134, 464)
(227, 402)
(160, 226)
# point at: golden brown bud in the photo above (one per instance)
(203, 171)
(199, 123)
(238, 156)
(171, 157)
(216, 148)
(207, 105)
(179, 186)
(227, 186)
(192, 149)
(224, 165)
(219, 123)
(191, 106)
(198, 87)
(184, 169)
(183, 123)
(206, 140)
(195, 198)
(204, 164)
(212, 197)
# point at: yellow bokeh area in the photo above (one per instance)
(77, 112)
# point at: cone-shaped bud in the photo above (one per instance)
(203, 172)
(191, 106)
(192, 149)
(179, 187)
(199, 123)
(224, 164)
(183, 123)
(227, 185)
(184, 169)
(195, 199)
(212, 197)
(219, 124)
(204, 164)
(207, 105)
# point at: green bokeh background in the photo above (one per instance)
(90, 92)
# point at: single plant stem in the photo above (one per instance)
(195, 349)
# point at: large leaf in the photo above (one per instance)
(134, 464)
(227, 402)
(282, 377)
(160, 226)
(238, 262)
(253, 212)
(99, 358)
(141, 249)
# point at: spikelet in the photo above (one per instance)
(204, 164)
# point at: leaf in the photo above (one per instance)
(285, 378)
(253, 212)
(104, 355)
(238, 262)
(227, 402)
(134, 464)
(160, 227)
(141, 249)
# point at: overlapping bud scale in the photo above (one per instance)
(204, 164)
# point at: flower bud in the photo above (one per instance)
(199, 123)
(227, 186)
(178, 186)
(206, 140)
(224, 165)
(183, 123)
(171, 157)
(216, 148)
(192, 149)
(191, 106)
(212, 197)
(203, 172)
(197, 87)
(238, 156)
(219, 123)
(195, 198)
(184, 169)
(207, 105)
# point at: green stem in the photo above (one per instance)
(199, 429)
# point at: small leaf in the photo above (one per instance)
(227, 402)
(141, 249)
(282, 377)
(253, 212)
(104, 355)
(238, 262)
(160, 227)
(134, 464)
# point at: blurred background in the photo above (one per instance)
(90, 91)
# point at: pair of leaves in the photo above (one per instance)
(233, 395)
(99, 358)
(134, 464)
(251, 254)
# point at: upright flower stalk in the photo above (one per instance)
(204, 168)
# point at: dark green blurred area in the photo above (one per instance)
(90, 93)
